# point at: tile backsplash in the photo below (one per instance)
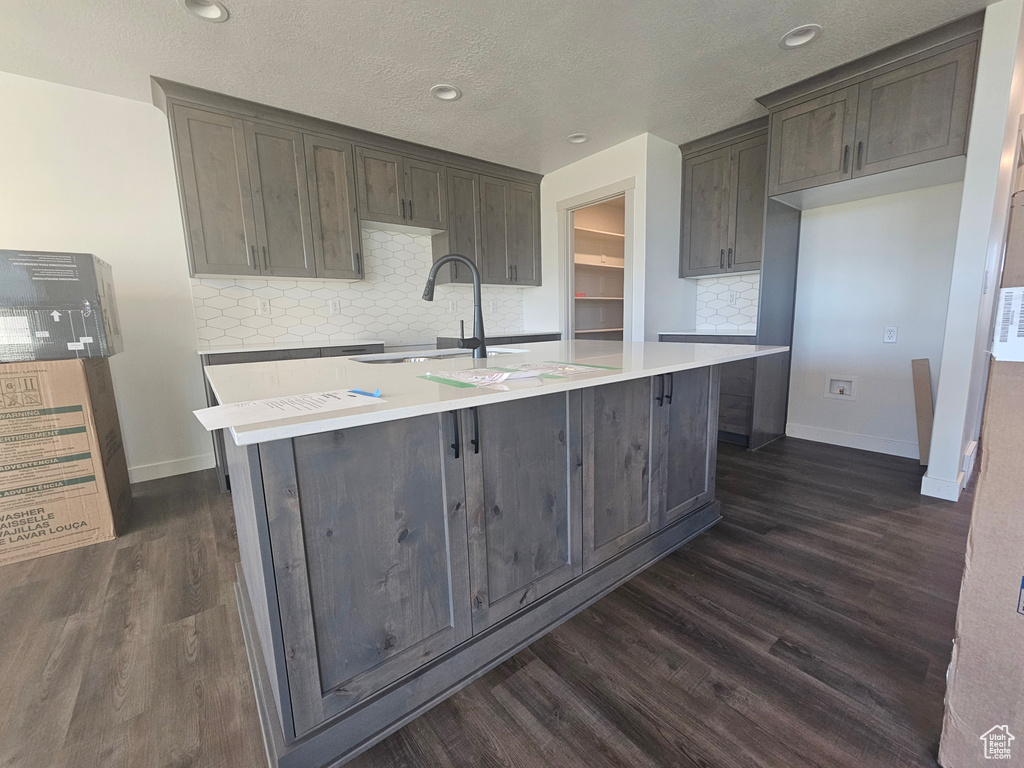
(388, 304)
(714, 310)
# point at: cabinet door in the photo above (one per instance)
(524, 234)
(494, 225)
(616, 478)
(334, 215)
(380, 186)
(915, 114)
(463, 223)
(811, 143)
(705, 219)
(523, 495)
(216, 193)
(749, 196)
(685, 417)
(427, 203)
(280, 196)
(368, 536)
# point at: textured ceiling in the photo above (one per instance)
(531, 71)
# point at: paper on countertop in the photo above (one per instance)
(496, 376)
(1008, 343)
(274, 408)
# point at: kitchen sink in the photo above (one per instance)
(426, 355)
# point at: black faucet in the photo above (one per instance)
(476, 343)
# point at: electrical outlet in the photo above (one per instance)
(494, 306)
(263, 306)
(451, 307)
(732, 297)
(890, 334)
(333, 307)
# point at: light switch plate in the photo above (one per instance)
(889, 334)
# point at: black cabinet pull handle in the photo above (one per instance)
(671, 388)
(846, 158)
(721, 259)
(661, 390)
(860, 155)
(476, 430)
(515, 272)
(403, 208)
(410, 209)
(509, 271)
(266, 264)
(730, 263)
(457, 432)
(359, 267)
(255, 261)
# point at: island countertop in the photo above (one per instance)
(408, 395)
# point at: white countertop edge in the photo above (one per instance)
(229, 349)
(372, 415)
(747, 333)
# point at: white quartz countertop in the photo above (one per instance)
(281, 345)
(408, 395)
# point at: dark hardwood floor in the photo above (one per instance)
(812, 627)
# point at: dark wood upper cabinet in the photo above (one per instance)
(271, 193)
(722, 223)
(892, 110)
(337, 236)
(812, 142)
(463, 234)
(213, 175)
(524, 234)
(915, 114)
(427, 196)
(617, 454)
(380, 184)
(705, 220)
(523, 485)
(277, 172)
(746, 207)
(494, 225)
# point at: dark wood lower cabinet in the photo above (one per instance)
(386, 566)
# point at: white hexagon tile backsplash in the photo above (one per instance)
(387, 305)
(715, 312)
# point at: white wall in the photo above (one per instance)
(656, 297)
(83, 171)
(984, 212)
(863, 266)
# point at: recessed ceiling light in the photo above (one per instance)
(577, 138)
(802, 35)
(445, 92)
(207, 10)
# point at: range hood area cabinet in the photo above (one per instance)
(723, 201)
(496, 224)
(905, 109)
(270, 193)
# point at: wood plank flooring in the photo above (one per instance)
(812, 627)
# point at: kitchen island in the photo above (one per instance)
(394, 552)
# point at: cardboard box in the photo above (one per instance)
(63, 474)
(984, 719)
(56, 306)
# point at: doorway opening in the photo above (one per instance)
(597, 288)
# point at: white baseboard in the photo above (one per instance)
(143, 472)
(938, 488)
(901, 448)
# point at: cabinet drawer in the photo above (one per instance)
(263, 356)
(738, 378)
(365, 349)
(734, 412)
